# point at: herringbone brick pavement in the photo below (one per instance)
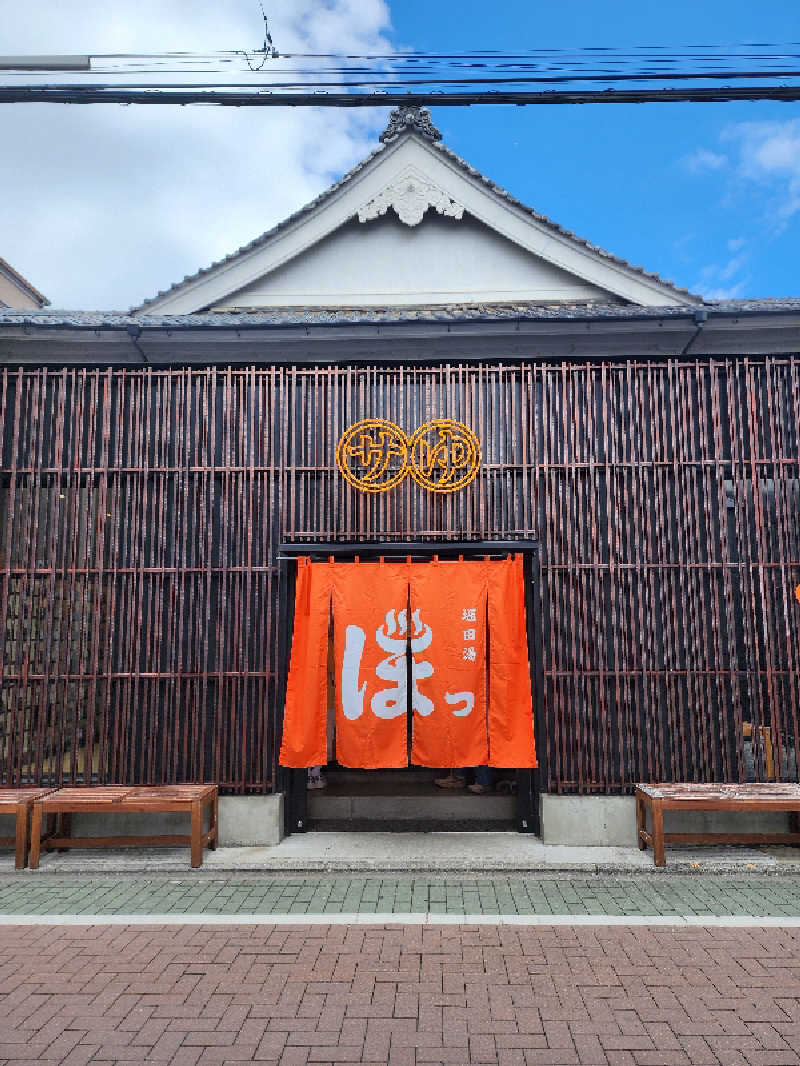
(399, 995)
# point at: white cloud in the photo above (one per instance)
(101, 205)
(732, 292)
(703, 160)
(719, 281)
(763, 174)
(732, 267)
(768, 154)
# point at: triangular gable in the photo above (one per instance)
(411, 224)
(16, 291)
(383, 262)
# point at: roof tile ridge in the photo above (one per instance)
(496, 311)
(463, 312)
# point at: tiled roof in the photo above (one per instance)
(309, 317)
(498, 190)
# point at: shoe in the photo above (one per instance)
(317, 782)
(479, 790)
(451, 781)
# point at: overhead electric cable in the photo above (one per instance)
(589, 75)
(294, 98)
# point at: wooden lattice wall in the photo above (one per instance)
(140, 513)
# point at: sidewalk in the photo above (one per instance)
(408, 898)
(135, 958)
(399, 996)
(464, 852)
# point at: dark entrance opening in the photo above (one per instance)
(374, 799)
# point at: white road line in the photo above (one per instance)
(419, 918)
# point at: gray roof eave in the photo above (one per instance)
(516, 333)
(311, 318)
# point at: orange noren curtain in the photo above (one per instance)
(304, 718)
(370, 617)
(449, 605)
(448, 699)
(511, 740)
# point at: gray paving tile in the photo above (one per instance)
(680, 895)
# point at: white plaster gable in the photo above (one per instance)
(389, 262)
(436, 212)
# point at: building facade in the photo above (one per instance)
(161, 471)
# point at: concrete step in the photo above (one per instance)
(403, 801)
(382, 781)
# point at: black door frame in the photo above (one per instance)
(293, 782)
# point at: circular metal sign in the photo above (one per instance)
(445, 455)
(374, 455)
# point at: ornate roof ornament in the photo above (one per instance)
(407, 118)
(410, 194)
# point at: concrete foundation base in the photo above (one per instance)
(244, 821)
(250, 820)
(606, 821)
(610, 821)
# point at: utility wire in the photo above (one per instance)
(766, 59)
(383, 98)
(588, 75)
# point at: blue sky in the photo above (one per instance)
(707, 195)
(102, 206)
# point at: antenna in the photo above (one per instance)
(268, 49)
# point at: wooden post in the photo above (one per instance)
(36, 835)
(658, 833)
(197, 833)
(21, 856)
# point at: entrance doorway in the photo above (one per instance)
(406, 798)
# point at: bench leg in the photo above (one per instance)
(197, 833)
(658, 835)
(21, 855)
(36, 835)
(641, 823)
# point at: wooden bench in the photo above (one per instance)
(19, 803)
(125, 799)
(731, 798)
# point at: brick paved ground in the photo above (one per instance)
(662, 894)
(399, 995)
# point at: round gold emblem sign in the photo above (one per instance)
(374, 455)
(445, 455)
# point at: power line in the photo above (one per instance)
(259, 98)
(699, 60)
(643, 74)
